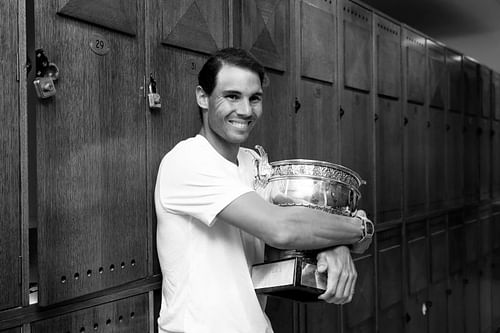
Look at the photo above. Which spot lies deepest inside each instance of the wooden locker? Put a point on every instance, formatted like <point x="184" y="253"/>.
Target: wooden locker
<point x="388" y="129"/>
<point x="415" y="60"/>
<point x="485" y="141"/>
<point x="485" y="294"/>
<point x="471" y="298"/>
<point x="456" y="240"/>
<point x="10" y="195"/>
<point x="437" y="75"/>
<point x="436" y="156"/>
<point x="485" y="91"/>
<point x="390" y="278"/>
<point x="438" y="246"/>
<point x="415" y="133"/>
<point x="495" y="159"/>
<point x="495" y="95"/>
<point x="124" y="315"/>
<point x="359" y="315"/>
<point x="316" y="117"/>
<point x="264" y="31"/>
<point x="471" y="159"/>
<point x="356" y="114"/>
<point x="471" y="87"/>
<point x="495" y="287"/>
<point x="455" y="80"/>
<point x="456" y="311"/>
<point x="90" y="148"/>
<point x="454" y="159"/>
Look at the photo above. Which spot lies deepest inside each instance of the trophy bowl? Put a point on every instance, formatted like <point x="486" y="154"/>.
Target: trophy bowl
<point x="314" y="184"/>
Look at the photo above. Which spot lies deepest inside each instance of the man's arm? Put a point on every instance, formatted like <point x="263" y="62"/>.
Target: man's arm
<point x="297" y="228"/>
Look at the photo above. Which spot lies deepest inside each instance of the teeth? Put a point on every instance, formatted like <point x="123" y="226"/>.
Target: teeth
<point x="239" y="124"/>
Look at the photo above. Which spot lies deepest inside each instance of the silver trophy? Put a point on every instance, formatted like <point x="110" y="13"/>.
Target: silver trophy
<point x="314" y="184"/>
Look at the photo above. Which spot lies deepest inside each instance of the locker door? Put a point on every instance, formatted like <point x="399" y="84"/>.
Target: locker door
<point x="389" y="286"/>
<point x="356" y="115"/>
<point x="495" y="158"/>
<point x="125" y="315"/>
<point x="485" y="140"/>
<point x="495" y="96"/>
<point x="262" y="27"/>
<point x="388" y="129"/>
<point x="90" y="150"/>
<point x="415" y="123"/>
<point x="471" y="276"/>
<point x="485" y="91"/>
<point x="471" y="160"/>
<point x="437" y="75"/>
<point x="455" y="80"/>
<point x="436" y="125"/>
<point x="438" y="276"/>
<point x="358" y="316"/>
<point x="10" y="215"/>
<point x="316" y="120"/>
<point x="418" y="259"/>
<point x="414" y="167"/>
<point x="471" y="87"/>
<point x="485" y="278"/>
<point x="454" y="158"/>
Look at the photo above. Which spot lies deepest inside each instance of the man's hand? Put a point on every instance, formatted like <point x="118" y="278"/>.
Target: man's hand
<point x="341" y="274"/>
<point x="361" y="247"/>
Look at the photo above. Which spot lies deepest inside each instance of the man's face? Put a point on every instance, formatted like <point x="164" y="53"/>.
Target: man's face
<point x="234" y="106"/>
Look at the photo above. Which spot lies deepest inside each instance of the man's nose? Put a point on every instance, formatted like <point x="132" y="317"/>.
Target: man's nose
<point x="245" y="108"/>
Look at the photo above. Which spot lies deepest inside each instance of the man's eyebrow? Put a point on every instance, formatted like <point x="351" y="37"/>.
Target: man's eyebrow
<point x="232" y="92"/>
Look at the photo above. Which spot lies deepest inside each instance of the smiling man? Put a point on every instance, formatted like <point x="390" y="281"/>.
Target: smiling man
<point x="212" y="225"/>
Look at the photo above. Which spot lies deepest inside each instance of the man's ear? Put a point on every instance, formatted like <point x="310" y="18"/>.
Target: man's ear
<point x="201" y="97"/>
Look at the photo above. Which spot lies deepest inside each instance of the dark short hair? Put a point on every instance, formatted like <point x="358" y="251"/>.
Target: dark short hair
<point x="207" y="77"/>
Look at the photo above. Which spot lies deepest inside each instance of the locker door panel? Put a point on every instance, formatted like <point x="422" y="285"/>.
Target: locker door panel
<point x="359" y="314"/>
<point x="321" y="317"/>
<point x="495" y="158"/>
<point x="356" y="131"/>
<point x="436" y="157"/>
<point x="89" y="140"/>
<point x="495" y="98"/>
<point x="389" y="268"/>
<point x="195" y="25"/>
<point x="471" y="245"/>
<point x="485" y="294"/>
<point x="495" y="287"/>
<point x="275" y="128"/>
<point x="417" y="258"/>
<point x="438" y="248"/>
<point x="10" y="215"/>
<point x="437" y="75"/>
<point x="388" y="52"/>
<point x="454" y="159"/>
<point x="438" y="311"/>
<point x="125" y="315"/>
<point x="455" y="80"/>
<point x="416" y="320"/>
<point x="414" y="169"/>
<point x="391" y="319"/>
<point x="456" y="246"/>
<point x="456" y="322"/>
<point x="471" y="87"/>
<point x="471" y="299"/>
<point x="389" y="159"/>
<point x="415" y="67"/>
<point x="318" y="40"/>
<point x="485" y="140"/>
<point x="264" y="31"/>
<point x="485" y="86"/>
<point x="357" y="46"/>
<point x="316" y="122"/>
<point x="471" y="165"/>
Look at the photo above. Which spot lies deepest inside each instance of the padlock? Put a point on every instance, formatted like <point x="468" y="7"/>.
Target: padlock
<point x="44" y="87"/>
<point x="153" y="96"/>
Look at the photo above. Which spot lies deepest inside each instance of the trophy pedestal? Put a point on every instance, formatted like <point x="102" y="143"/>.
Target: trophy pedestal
<point x="291" y="278"/>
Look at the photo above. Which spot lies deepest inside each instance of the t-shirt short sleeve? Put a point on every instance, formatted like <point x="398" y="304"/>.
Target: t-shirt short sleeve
<point x="199" y="182"/>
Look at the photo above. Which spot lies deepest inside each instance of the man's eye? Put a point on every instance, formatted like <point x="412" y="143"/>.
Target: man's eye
<point x="256" y="99"/>
<point x="232" y="97"/>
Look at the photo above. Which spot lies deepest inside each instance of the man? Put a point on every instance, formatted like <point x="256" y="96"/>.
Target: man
<point x="212" y="225"/>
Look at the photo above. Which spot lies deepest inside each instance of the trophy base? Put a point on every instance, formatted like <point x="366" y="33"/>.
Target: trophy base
<point x="292" y="278"/>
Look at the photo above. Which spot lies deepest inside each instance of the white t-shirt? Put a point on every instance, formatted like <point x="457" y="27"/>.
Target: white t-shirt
<point x="205" y="264"/>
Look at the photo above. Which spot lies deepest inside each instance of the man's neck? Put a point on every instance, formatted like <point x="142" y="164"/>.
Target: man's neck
<point x="226" y="150"/>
